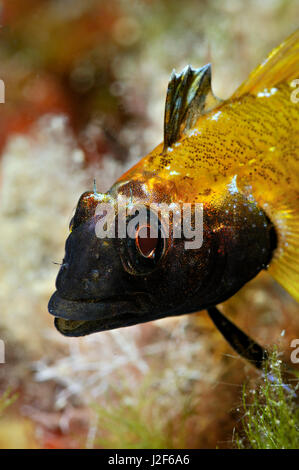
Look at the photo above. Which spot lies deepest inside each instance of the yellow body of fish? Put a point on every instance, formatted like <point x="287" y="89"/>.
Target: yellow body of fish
<point x="250" y="144"/>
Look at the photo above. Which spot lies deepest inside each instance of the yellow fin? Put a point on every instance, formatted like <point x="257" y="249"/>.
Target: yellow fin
<point x="284" y="266"/>
<point x="282" y="65"/>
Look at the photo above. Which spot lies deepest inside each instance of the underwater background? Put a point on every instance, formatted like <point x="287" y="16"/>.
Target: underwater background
<point x="85" y="86"/>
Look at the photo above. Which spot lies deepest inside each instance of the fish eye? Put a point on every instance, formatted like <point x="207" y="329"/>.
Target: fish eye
<point x="145" y="242"/>
<point x="142" y="252"/>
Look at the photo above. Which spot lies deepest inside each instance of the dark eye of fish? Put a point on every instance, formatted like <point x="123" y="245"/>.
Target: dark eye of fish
<point x="142" y="253"/>
<point x="146" y="244"/>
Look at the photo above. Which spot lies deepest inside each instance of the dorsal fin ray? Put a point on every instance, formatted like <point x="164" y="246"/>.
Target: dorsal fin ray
<point x="189" y="95"/>
<point x="281" y="65"/>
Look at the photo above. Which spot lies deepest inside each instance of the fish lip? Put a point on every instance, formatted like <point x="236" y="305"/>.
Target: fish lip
<point x="105" y="324"/>
<point x="91" y="310"/>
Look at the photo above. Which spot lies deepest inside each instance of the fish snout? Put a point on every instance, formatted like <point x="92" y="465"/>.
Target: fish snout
<point x="91" y="267"/>
<point x="75" y="283"/>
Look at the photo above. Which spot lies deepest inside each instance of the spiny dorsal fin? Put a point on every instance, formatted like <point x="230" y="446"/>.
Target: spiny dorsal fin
<point x="189" y="95"/>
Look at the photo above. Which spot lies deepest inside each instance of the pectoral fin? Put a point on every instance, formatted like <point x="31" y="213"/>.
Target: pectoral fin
<point x="239" y="341"/>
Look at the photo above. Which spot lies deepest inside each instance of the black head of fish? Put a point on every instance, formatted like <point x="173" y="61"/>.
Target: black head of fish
<point x="112" y="282"/>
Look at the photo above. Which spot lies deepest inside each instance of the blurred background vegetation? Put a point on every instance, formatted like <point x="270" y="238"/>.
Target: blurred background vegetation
<point x="85" y="89"/>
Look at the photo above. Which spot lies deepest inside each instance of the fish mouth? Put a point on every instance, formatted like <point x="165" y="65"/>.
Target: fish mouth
<point x="82" y="317"/>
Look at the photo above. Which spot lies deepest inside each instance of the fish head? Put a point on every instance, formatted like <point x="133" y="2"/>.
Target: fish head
<point x="139" y="271"/>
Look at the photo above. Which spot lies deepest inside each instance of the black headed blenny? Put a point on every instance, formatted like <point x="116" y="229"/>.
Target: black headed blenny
<point x="237" y="159"/>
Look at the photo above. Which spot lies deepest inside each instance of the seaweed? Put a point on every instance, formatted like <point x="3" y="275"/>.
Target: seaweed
<point x="271" y="411"/>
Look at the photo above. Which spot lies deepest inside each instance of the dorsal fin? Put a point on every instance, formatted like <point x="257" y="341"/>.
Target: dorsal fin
<point x="281" y="65"/>
<point x="189" y="95"/>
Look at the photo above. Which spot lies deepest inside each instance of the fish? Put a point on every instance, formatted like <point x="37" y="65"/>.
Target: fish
<point x="237" y="161"/>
